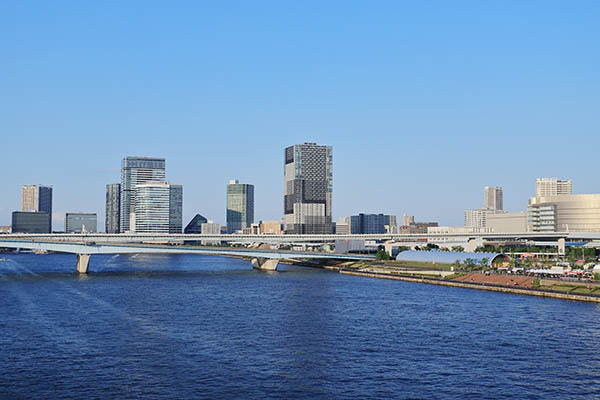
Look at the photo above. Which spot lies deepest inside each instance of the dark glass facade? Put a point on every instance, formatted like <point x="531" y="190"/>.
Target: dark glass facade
<point x="30" y="222"/>
<point x="370" y="223"/>
<point x="195" y="225"/>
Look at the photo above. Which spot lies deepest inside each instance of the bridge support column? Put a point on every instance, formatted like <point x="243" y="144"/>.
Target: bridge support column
<point x="83" y="260"/>
<point x="561" y="246"/>
<point x="389" y="247"/>
<point x="266" y="264"/>
<point x="473" y="244"/>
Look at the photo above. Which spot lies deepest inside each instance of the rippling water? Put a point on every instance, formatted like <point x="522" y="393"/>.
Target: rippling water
<point x="152" y="326"/>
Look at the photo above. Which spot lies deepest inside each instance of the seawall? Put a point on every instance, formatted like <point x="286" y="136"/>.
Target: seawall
<point x="493" y="288"/>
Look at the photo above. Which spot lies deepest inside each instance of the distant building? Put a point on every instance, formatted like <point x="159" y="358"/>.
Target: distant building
<point x="478" y="218"/>
<point x="308" y="189"/>
<point x="30" y="222"/>
<point x="417" y="227"/>
<point x="240" y="206"/>
<point x="158" y="208"/>
<point x="254" y="229"/>
<point x="493" y="198"/>
<point x="371" y="223"/>
<point x="210" y="228"/>
<point x="507" y="222"/>
<point x="81" y="222"/>
<point x="342" y="226"/>
<point x="545" y="187"/>
<point x="271" y="227"/>
<point x="564" y="213"/>
<point x="195" y="225"/>
<point x="112" y="223"/>
<point x="38" y="198"/>
<point x="5" y="229"/>
<point x="135" y="171"/>
<point x="407" y="220"/>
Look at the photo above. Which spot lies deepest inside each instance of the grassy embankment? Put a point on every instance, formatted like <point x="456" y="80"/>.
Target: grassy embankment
<point x="568" y="287"/>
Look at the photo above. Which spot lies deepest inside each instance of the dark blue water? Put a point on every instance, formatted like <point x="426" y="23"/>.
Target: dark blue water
<point x="210" y="327"/>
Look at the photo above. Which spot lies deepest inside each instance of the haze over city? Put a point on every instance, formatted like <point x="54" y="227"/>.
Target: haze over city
<point x="424" y="105"/>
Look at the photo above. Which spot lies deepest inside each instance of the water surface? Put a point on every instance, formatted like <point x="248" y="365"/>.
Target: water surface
<point x="190" y="326"/>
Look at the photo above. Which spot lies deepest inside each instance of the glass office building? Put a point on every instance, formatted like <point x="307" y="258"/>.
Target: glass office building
<point x="195" y="225"/>
<point x="371" y="223"/>
<point x="158" y="208"/>
<point x="112" y="220"/>
<point x="30" y="222"/>
<point x="308" y="189"/>
<point x="81" y="222"/>
<point x="38" y="198"/>
<point x="135" y="171"/>
<point x="240" y="206"/>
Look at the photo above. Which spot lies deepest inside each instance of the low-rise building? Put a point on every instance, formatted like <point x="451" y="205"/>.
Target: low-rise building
<point x="564" y="213"/>
<point x="81" y="222"/>
<point x="342" y="227"/>
<point x="507" y="222"/>
<point x="5" y="229"/>
<point x="271" y="227"/>
<point x="30" y="222"/>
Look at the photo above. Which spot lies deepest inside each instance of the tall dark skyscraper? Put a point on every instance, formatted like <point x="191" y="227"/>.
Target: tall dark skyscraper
<point x="113" y="208"/>
<point x="135" y="171"/>
<point x="38" y="198"/>
<point x="308" y="190"/>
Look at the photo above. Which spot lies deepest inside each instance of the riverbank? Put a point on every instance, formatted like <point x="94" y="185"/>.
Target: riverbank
<point x="473" y="285"/>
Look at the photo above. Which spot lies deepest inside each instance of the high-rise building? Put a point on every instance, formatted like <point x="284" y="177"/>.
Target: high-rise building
<point x="81" y="222"/>
<point x="545" y="187"/>
<point x="158" y="208"/>
<point x="113" y="208"/>
<point x="30" y="222"/>
<point x="135" y="171"/>
<point x="493" y="198"/>
<point x="38" y="198"/>
<point x="308" y="189"/>
<point x="240" y="206"/>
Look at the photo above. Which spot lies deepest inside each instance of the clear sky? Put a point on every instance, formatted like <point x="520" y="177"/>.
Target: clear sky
<point x="424" y="102"/>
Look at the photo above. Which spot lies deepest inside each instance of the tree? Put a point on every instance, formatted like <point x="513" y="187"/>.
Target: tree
<point x="458" y="249"/>
<point x="483" y="263"/>
<point x="382" y="255"/>
<point x="469" y="263"/>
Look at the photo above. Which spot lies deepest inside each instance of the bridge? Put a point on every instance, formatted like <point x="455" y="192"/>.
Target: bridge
<point x="292" y="238"/>
<point x="84" y="245"/>
<point x="260" y="258"/>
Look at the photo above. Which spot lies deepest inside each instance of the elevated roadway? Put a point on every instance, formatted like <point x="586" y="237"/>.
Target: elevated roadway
<point x="261" y="259"/>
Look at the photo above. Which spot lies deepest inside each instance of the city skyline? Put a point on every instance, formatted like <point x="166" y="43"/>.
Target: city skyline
<point x="417" y="101"/>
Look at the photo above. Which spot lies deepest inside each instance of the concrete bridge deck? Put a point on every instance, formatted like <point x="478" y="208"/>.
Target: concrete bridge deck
<point x="261" y="259"/>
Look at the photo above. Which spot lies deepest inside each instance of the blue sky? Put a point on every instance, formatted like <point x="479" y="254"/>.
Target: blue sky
<point x="424" y="103"/>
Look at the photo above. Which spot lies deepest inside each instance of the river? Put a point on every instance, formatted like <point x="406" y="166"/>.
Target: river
<point x="190" y="326"/>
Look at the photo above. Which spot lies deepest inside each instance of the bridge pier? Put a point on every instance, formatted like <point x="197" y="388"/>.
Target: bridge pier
<point x="83" y="260"/>
<point x="265" y="264"/>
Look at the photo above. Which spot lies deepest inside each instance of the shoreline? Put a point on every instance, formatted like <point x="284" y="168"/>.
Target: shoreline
<point x="479" y="286"/>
